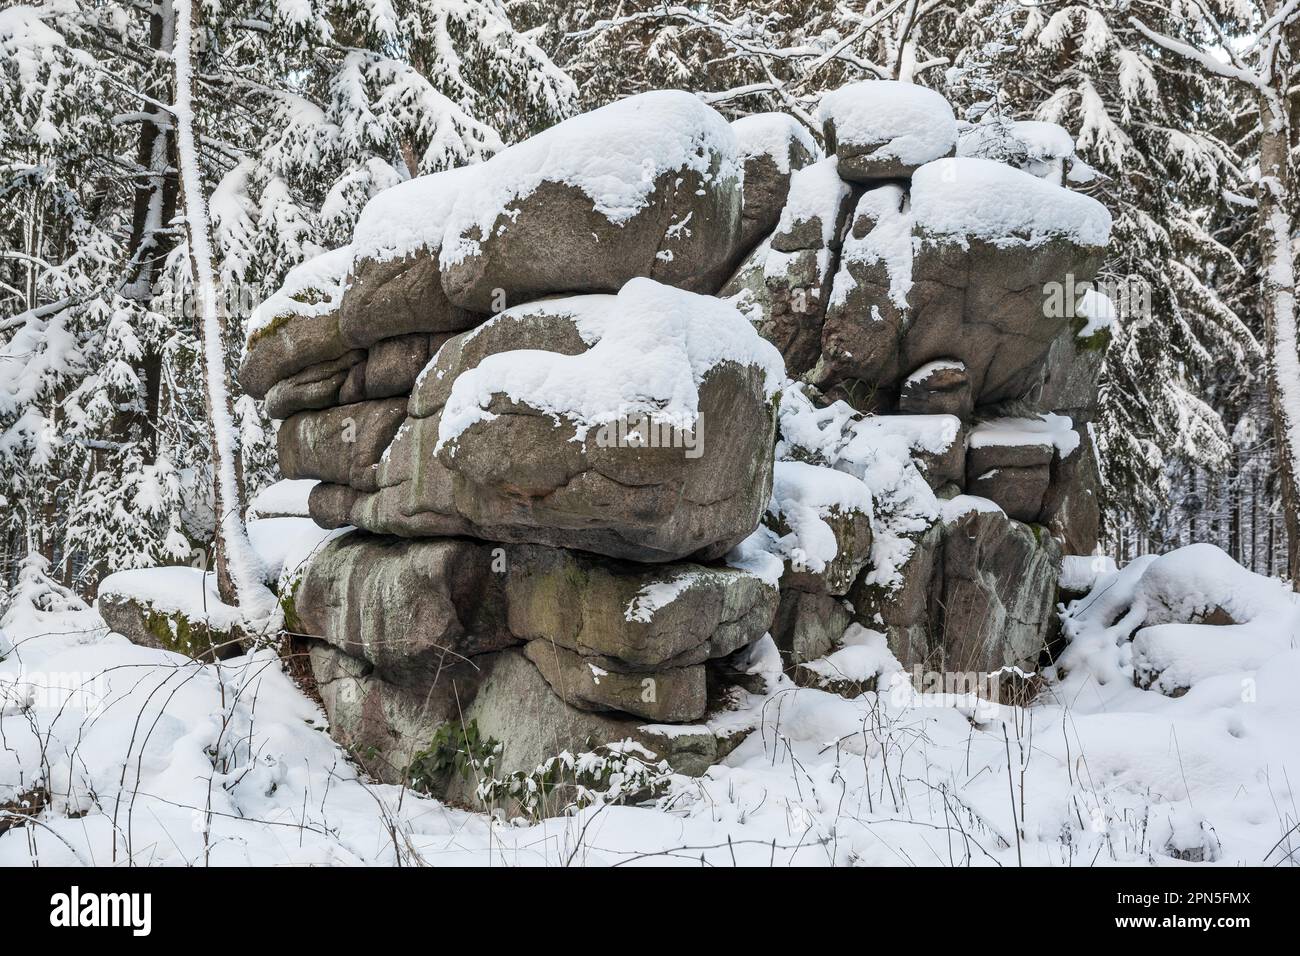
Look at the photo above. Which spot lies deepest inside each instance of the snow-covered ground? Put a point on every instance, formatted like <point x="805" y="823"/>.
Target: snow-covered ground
<point x="153" y="759"/>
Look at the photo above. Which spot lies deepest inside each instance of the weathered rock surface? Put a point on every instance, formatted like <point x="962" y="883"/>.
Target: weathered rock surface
<point x="977" y="595"/>
<point x="797" y="265"/>
<point x="772" y="146"/>
<point x="976" y="297"/>
<point x="342" y="445"/>
<point x="298" y="326"/>
<point x="664" y="203"/>
<point x="627" y="487"/>
<point x="395" y="284"/>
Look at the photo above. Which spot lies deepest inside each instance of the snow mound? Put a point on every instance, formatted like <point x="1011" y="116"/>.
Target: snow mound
<point x="650" y="361"/>
<point x="614" y="154"/>
<point x="911" y="124"/>
<point x="1080" y="572"/>
<point x="410" y="216"/>
<point x="1097" y="308"/>
<point x="966" y="198"/>
<point x="1048" y="429"/>
<point x="803" y="496"/>
<point x="863" y="655"/>
<point x="286" y="498"/>
<point x="189" y="591"/>
<point x="1190" y="584"/>
<point x="772" y="134"/>
<point x="314" y="287"/>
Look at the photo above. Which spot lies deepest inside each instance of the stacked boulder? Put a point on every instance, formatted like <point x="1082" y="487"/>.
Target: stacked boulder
<point x="610" y="408"/>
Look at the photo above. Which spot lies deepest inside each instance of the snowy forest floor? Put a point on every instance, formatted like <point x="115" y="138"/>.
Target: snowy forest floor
<point x="142" y="757"/>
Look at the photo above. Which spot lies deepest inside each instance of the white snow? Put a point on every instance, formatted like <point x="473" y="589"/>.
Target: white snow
<point x="614" y="154"/>
<point x="960" y="505"/>
<point x="910" y="123"/>
<point x="656" y="350"/>
<point x="410" y="216"/>
<point x="888" y="242"/>
<point x="286" y="498"/>
<point x="966" y="198"/>
<point x="229" y="763"/>
<point x="803" y="496"/>
<point x="314" y="287"/>
<point x="816" y="192"/>
<point x="772" y="134"/>
<point x="862" y="655"/>
<point x="929" y="368"/>
<point x="285" y="544"/>
<point x="659" y="594"/>
<point x="1047" y="429"/>
<point x="191" y="591"/>
<point x="1079" y="572"/>
<point x="1097" y="307"/>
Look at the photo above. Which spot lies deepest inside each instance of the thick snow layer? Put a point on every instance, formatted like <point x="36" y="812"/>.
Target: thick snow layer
<point x="961" y="505"/>
<point x="229" y="764"/>
<point x="862" y="655"/>
<point x="1048" y="429"/>
<point x="614" y="154"/>
<point x="286" y="544"/>
<point x="654" y="354"/>
<point x="910" y="123"/>
<point x="314" y="287"/>
<point x="286" y="498"/>
<point x="772" y="134"/>
<point x="1079" y="572"/>
<point x="1097" y="307"/>
<point x="410" y="216"/>
<point x="191" y="591"/>
<point x="888" y="243"/>
<point x="816" y="192"/>
<point x="878" y="450"/>
<point x="967" y="198"/>
<point x="1043" y="141"/>
<point x="933" y="434"/>
<point x="803" y="496"/>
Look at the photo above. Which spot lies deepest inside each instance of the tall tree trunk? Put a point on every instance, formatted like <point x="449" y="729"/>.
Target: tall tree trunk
<point x="240" y="576"/>
<point x="1273" y="196"/>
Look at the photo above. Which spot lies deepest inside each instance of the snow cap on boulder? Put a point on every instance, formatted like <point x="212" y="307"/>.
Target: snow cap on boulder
<point x="884" y="129"/>
<point x="966" y="198"/>
<point x="646" y="186"/>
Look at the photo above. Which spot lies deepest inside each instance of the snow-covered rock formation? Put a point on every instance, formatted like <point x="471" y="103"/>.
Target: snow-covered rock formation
<point x="610" y="408"/>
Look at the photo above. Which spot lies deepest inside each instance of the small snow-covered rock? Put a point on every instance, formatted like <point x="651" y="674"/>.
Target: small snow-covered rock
<point x="884" y="129"/>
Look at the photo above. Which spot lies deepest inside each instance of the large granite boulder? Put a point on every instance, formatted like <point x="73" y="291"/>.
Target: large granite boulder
<point x="652" y="443"/>
<point x="648" y="186"/>
<point x="772" y="147"/>
<point x="1024" y="465"/>
<point x="977" y="593"/>
<point x="406" y="634"/>
<point x="961" y="269"/>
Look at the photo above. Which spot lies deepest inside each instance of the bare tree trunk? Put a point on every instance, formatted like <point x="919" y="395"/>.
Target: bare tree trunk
<point x="1274" y="235"/>
<point x="240" y="576"/>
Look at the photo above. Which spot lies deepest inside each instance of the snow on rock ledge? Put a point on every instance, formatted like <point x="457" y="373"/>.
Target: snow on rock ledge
<point x="964" y="198"/>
